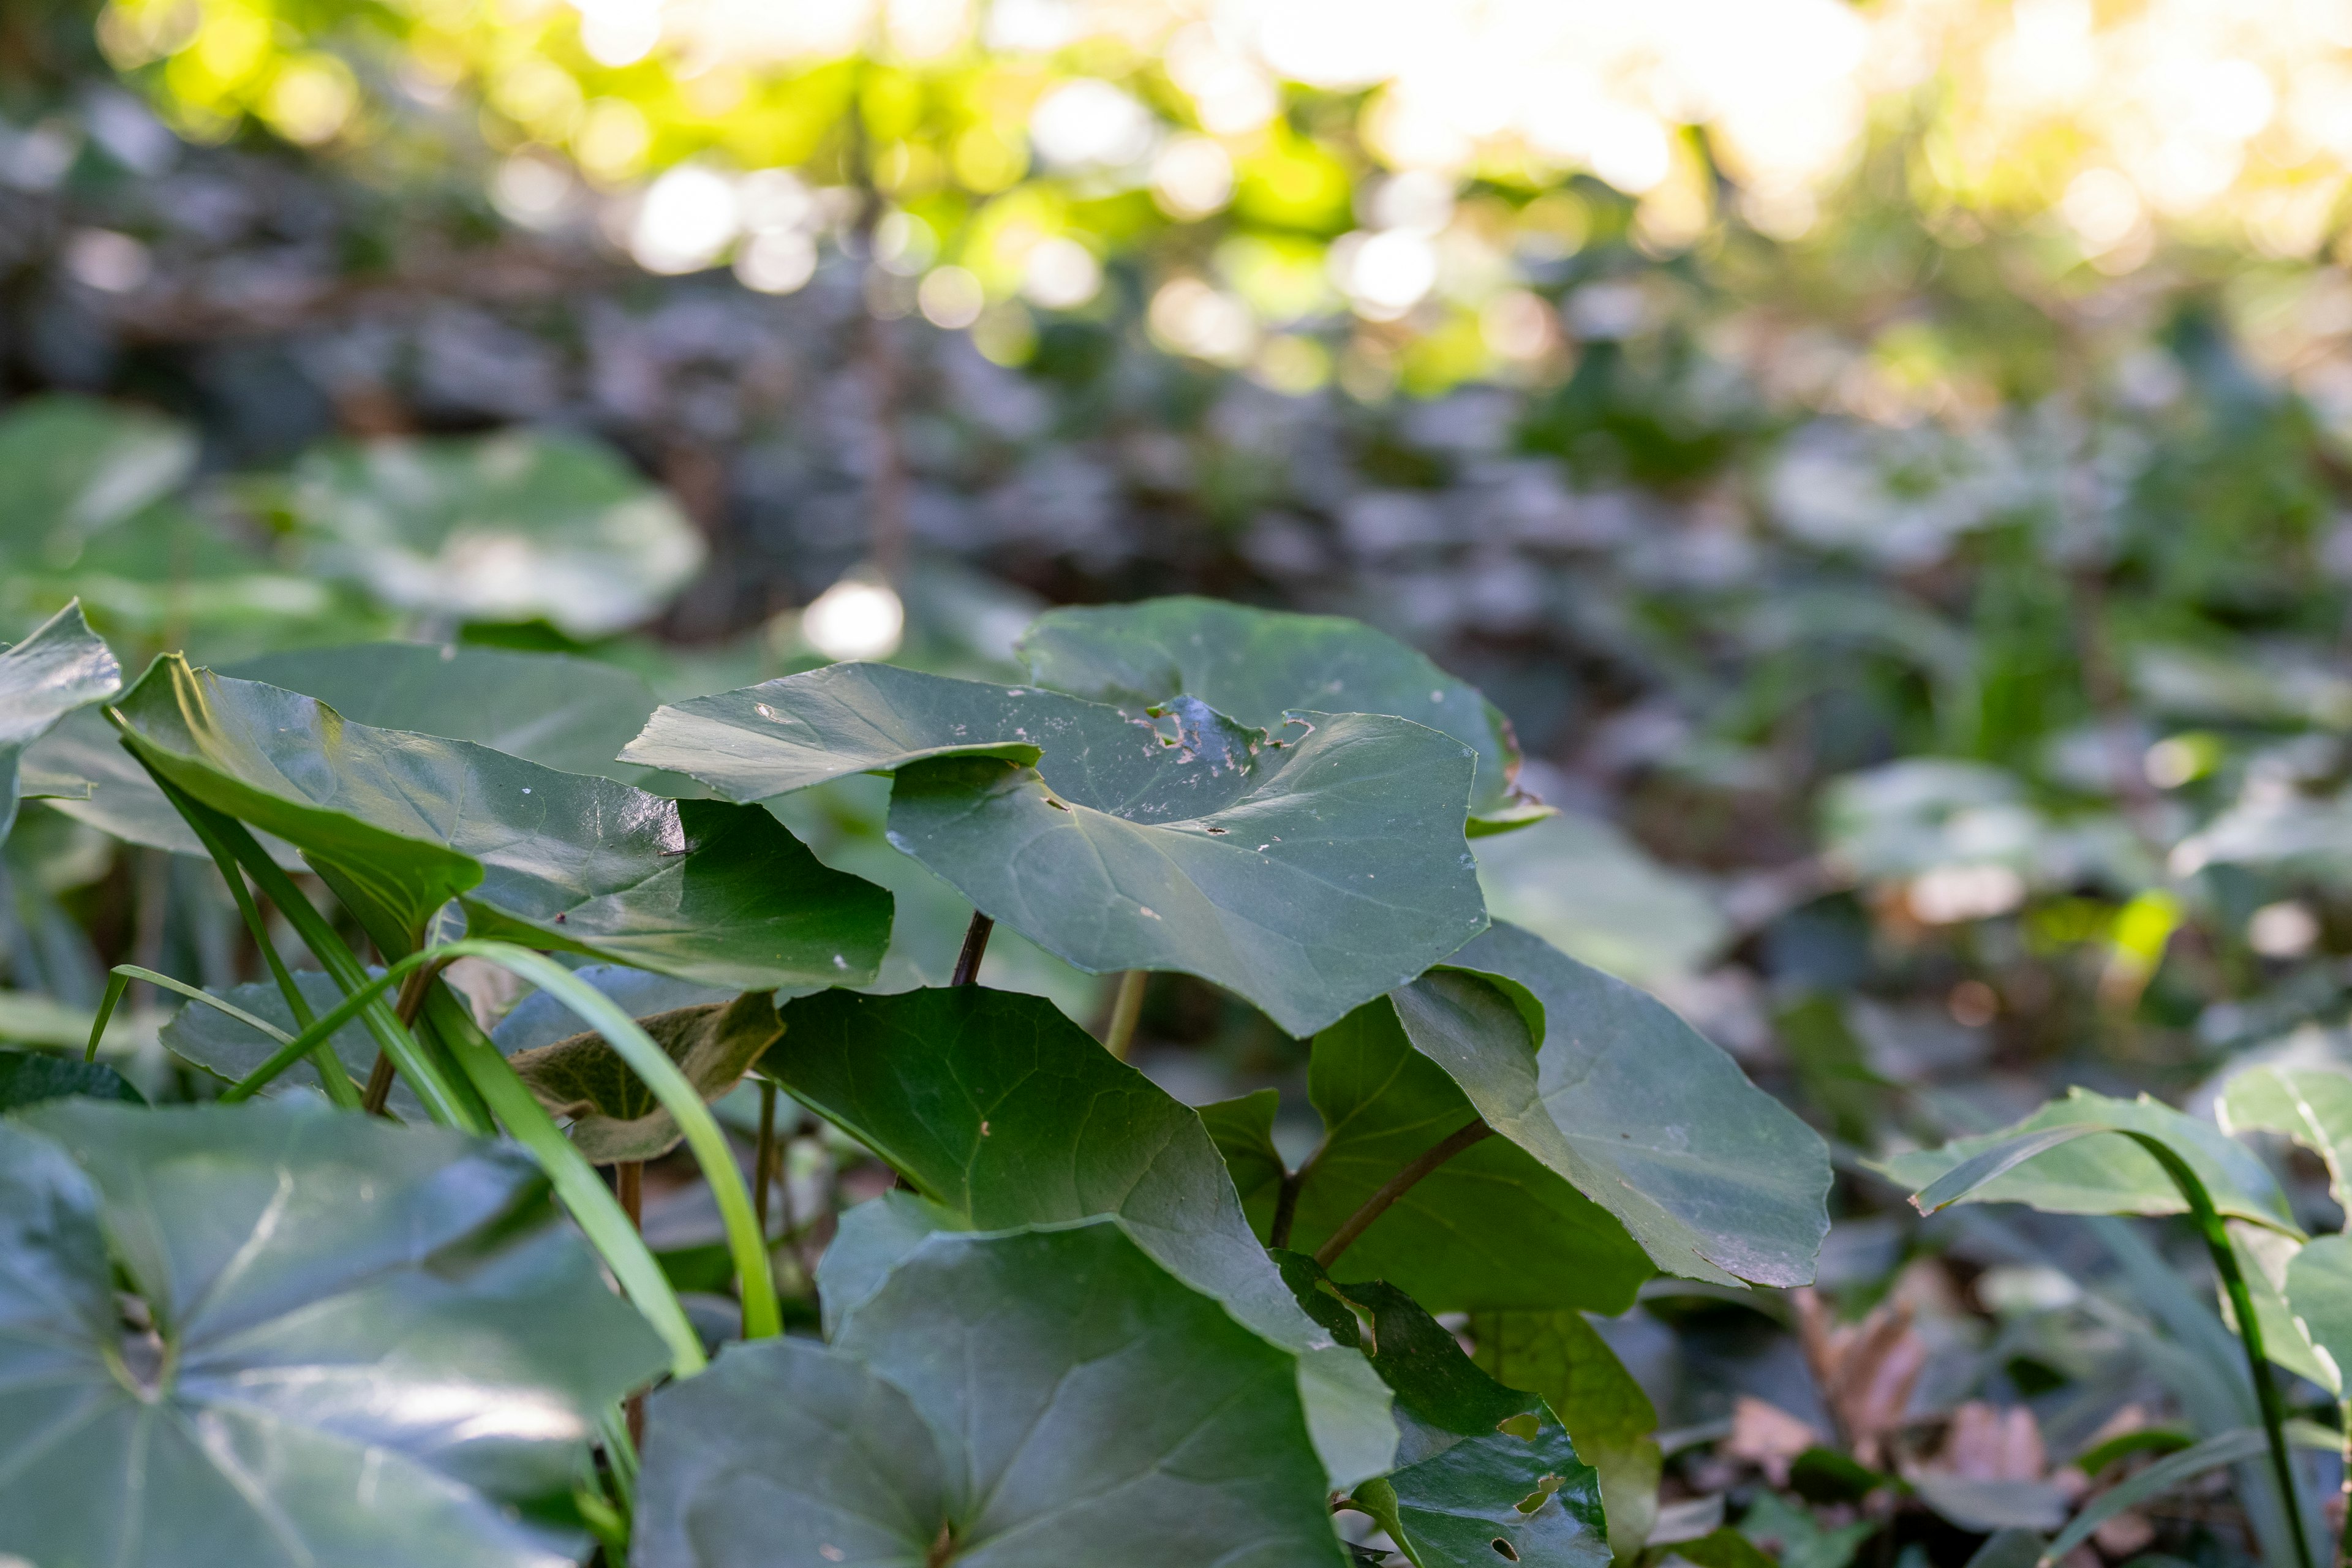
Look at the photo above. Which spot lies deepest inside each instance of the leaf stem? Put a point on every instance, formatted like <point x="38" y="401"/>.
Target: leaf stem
<point x="763" y="1158"/>
<point x="629" y="1186"/>
<point x="975" y="943"/>
<point x="1125" y="1008"/>
<point x="1396" y="1186"/>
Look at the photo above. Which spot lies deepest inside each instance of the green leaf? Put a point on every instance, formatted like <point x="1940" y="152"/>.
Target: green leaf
<point x="1715" y="1178"/>
<point x="1260" y="664"/>
<point x="62" y="666"/>
<point x="2311" y="1105"/>
<point x="210" y="1039"/>
<point x="1042" y="1399"/>
<point x="1484" y="1472"/>
<point x="399" y="824"/>
<point x="2319" y="1291"/>
<point x="1792" y="1536"/>
<point x="2225" y="1448"/>
<point x="521" y="526"/>
<point x="1243" y="1131"/>
<point x="2264" y="1258"/>
<point x="1308" y="871"/>
<point x="1490" y="1228"/>
<point x="614" y="1115"/>
<point x="1562" y="1357"/>
<point x="1722" y="1547"/>
<point x="29" y="1078"/>
<point x="1584" y="886"/>
<point x="2050" y="1161"/>
<point x="1002" y="1112"/>
<point x="371" y="1343"/>
<point x="73" y="466"/>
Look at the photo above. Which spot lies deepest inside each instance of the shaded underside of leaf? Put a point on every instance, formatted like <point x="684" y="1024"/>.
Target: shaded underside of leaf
<point x="29" y="1078"/>
<point x="2313" y="1106"/>
<point x="60" y="667"/>
<point x="614" y="1115"/>
<point x="1490" y="1228"/>
<point x="1563" y="1358"/>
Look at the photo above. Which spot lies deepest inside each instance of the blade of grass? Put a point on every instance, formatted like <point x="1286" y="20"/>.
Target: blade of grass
<point x="1966" y="1177"/>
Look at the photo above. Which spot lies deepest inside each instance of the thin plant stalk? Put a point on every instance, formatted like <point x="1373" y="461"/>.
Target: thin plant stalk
<point x="1975" y="1171"/>
<point x="629" y="1186"/>
<point x="1396" y="1186"/>
<point x="207" y="824"/>
<point x="975" y="948"/>
<point x="1126" y="1009"/>
<point x="763" y="1157"/>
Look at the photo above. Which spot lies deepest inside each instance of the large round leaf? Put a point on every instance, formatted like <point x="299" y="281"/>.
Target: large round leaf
<point x="62" y="666"/>
<point x="1491" y="1228"/>
<point x="369" y="1344"/>
<point x="1042" y="1399"/>
<point x="1002" y="1112"/>
<point x="399" y="824"/>
<point x="516" y="527"/>
<point x="1309" y="871"/>
<point x="1609" y="1089"/>
<point x="1258" y="665"/>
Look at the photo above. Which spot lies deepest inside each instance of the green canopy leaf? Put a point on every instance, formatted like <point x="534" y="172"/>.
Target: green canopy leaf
<point x="2319" y="1291"/>
<point x="62" y="666"/>
<point x="1259" y="665"/>
<point x="1002" y="1112"/>
<point x="399" y="824"/>
<point x="29" y="1078"/>
<point x="1484" y="1472"/>
<point x="2311" y="1105"/>
<point x="1715" y="1178"/>
<point x="572" y="714"/>
<point x="1610" y="1420"/>
<point x="368" y="1343"/>
<point x="227" y="1048"/>
<point x="614" y="1115"/>
<point x="1042" y="1399"/>
<point x="1308" y="871"/>
<point x="2036" y="1163"/>
<point x="1490" y="1228"/>
<point x="520" y="526"/>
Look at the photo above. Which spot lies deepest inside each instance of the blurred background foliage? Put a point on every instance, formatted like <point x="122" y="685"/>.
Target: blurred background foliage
<point x="1889" y="460"/>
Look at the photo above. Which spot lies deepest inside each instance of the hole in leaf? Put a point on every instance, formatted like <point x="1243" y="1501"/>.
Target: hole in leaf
<point x="1504" y="1550"/>
<point x="1524" y="1426"/>
<point x="1545" y="1487"/>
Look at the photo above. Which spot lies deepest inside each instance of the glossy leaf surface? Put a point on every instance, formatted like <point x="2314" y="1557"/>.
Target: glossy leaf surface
<point x="372" y="1344"/>
<point x="1308" y="871"/>
<point x="1258" y="665"/>
<point x="1715" y="1178"/>
<point x="1002" y="1112"/>
<point x="1490" y="1228"/>
<point x="614" y="1115"/>
<point x="2101" y="1173"/>
<point x="1483" y="1472"/>
<point x="1041" y="1399"/>
<point x="400" y="823"/>
<point x="60" y="666"/>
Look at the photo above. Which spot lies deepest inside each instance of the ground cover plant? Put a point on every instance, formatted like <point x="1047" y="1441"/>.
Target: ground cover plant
<point x="330" y="1313"/>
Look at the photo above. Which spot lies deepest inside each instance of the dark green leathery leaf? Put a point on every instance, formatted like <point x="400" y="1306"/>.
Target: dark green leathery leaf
<point x="1308" y="871"/>
<point x="60" y="666"/>
<point x="1490" y="1228"/>
<point x="614" y="1115"/>
<point x="228" y="1049"/>
<point x="1002" y="1112"/>
<point x="1716" y="1179"/>
<point x="29" y="1078"/>
<point x="1038" y="1399"/>
<point x="399" y="824"/>
<point x="1259" y="665"/>
<point x="370" y="1343"/>
<point x="1483" y="1472"/>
